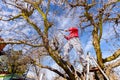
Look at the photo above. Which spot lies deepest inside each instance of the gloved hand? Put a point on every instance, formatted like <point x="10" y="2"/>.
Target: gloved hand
<point x="64" y="36"/>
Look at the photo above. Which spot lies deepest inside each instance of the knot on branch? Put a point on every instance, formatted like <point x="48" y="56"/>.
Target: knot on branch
<point x="116" y="21"/>
<point x="50" y="24"/>
<point x="101" y="11"/>
<point x="32" y="61"/>
<point x="107" y="14"/>
<point x="73" y="5"/>
<point x="118" y="15"/>
<point x="27" y="12"/>
<point x="88" y="15"/>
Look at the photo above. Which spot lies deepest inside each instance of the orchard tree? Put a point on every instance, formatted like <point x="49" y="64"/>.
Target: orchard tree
<point x="38" y="16"/>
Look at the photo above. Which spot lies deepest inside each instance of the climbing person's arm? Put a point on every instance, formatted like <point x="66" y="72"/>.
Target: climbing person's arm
<point x="66" y="37"/>
<point x="73" y="29"/>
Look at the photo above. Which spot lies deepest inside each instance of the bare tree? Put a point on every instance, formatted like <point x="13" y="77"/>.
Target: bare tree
<point x="97" y="19"/>
<point x="94" y="13"/>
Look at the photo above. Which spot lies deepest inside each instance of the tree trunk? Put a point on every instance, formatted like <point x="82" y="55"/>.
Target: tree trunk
<point x="96" y="44"/>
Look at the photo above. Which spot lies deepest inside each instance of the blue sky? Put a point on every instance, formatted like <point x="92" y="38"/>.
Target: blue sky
<point x="61" y="21"/>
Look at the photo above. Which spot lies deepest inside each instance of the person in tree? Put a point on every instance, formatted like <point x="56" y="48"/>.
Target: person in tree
<point x="2" y="46"/>
<point x="73" y="42"/>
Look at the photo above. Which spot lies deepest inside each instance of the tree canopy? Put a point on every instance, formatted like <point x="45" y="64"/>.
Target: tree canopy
<point x="34" y="25"/>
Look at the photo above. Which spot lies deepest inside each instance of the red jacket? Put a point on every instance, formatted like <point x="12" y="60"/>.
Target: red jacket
<point x="73" y="33"/>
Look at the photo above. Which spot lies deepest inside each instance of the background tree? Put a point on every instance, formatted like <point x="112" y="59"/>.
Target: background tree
<point x="104" y="14"/>
<point x="93" y="16"/>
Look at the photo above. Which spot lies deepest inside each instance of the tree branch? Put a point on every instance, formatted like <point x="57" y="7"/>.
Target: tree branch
<point x="112" y="19"/>
<point x="52" y="69"/>
<point x="115" y="64"/>
<point x="112" y="65"/>
<point x="14" y="17"/>
<point x="19" y="7"/>
<point x="113" y="57"/>
<point x="55" y="70"/>
<point x="21" y="42"/>
<point x="33" y="24"/>
<point x="100" y="25"/>
<point x="48" y="7"/>
<point x="110" y="2"/>
<point x="37" y="7"/>
<point x="47" y="24"/>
